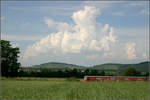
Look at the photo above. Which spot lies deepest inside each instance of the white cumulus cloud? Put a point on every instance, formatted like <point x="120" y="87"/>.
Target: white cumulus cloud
<point x="144" y="55"/>
<point x="60" y="26"/>
<point x="130" y="50"/>
<point x="86" y="35"/>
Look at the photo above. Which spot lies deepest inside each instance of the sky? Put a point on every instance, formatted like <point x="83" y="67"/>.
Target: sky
<point x="77" y="32"/>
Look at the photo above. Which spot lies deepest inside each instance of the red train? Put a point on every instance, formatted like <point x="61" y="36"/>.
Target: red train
<point x="115" y="78"/>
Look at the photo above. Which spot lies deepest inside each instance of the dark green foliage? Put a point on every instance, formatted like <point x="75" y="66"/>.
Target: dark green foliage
<point x="131" y="71"/>
<point x="86" y="72"/>
<point x="76" y="73"/>
<point x="94" y="72"/>
<point x="102" y="73"/>
<point x="146" y="74"/>
<point x="9" y="59"/>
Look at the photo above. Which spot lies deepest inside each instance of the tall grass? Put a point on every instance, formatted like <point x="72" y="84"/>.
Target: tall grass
<point x="70" y="90"/>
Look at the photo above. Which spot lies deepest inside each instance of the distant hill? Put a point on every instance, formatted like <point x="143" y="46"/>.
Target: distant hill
<point x="57" y="65"/>
<point x="143" y="66"/>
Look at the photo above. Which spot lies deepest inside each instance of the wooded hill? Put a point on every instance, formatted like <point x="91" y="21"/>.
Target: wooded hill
<point x="143" y="66"/>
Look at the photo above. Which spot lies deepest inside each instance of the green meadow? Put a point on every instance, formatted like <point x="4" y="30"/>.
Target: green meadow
<point x="66" y="89"/>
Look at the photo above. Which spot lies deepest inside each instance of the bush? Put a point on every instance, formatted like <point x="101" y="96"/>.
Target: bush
<point x="131" y="71"/>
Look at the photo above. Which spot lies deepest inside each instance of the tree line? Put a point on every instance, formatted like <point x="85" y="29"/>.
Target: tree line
<point x="62" y="74"/>
<point x="10" y="67"/>
<point x="130" y="71"/>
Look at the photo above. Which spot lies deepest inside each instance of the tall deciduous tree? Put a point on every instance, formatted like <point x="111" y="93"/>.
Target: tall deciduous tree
<point x="131" y="71"/>
<point x="9" y="59"/>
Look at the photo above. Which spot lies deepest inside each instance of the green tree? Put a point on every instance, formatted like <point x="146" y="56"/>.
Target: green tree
<point x="147" y="74"/>
<point x="131" y="71"/>
<point x="74" y="72"/>
<point x="86" y="72"/>
<point x="102" y="73"/>
<point x="94" y="72"/>
<point x="9" y="59"/>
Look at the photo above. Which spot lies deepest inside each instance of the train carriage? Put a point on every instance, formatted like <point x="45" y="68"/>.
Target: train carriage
<point x="115" y="78"/>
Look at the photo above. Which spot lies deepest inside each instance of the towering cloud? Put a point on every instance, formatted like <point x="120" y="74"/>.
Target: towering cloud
<point x="130" y="50"/>
<point x="86" y="35"/>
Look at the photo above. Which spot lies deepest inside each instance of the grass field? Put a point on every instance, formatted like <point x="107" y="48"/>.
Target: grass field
<point x="38" y="88"/>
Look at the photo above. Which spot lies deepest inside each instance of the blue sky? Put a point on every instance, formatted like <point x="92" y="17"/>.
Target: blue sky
<point x="48" y="31"/>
